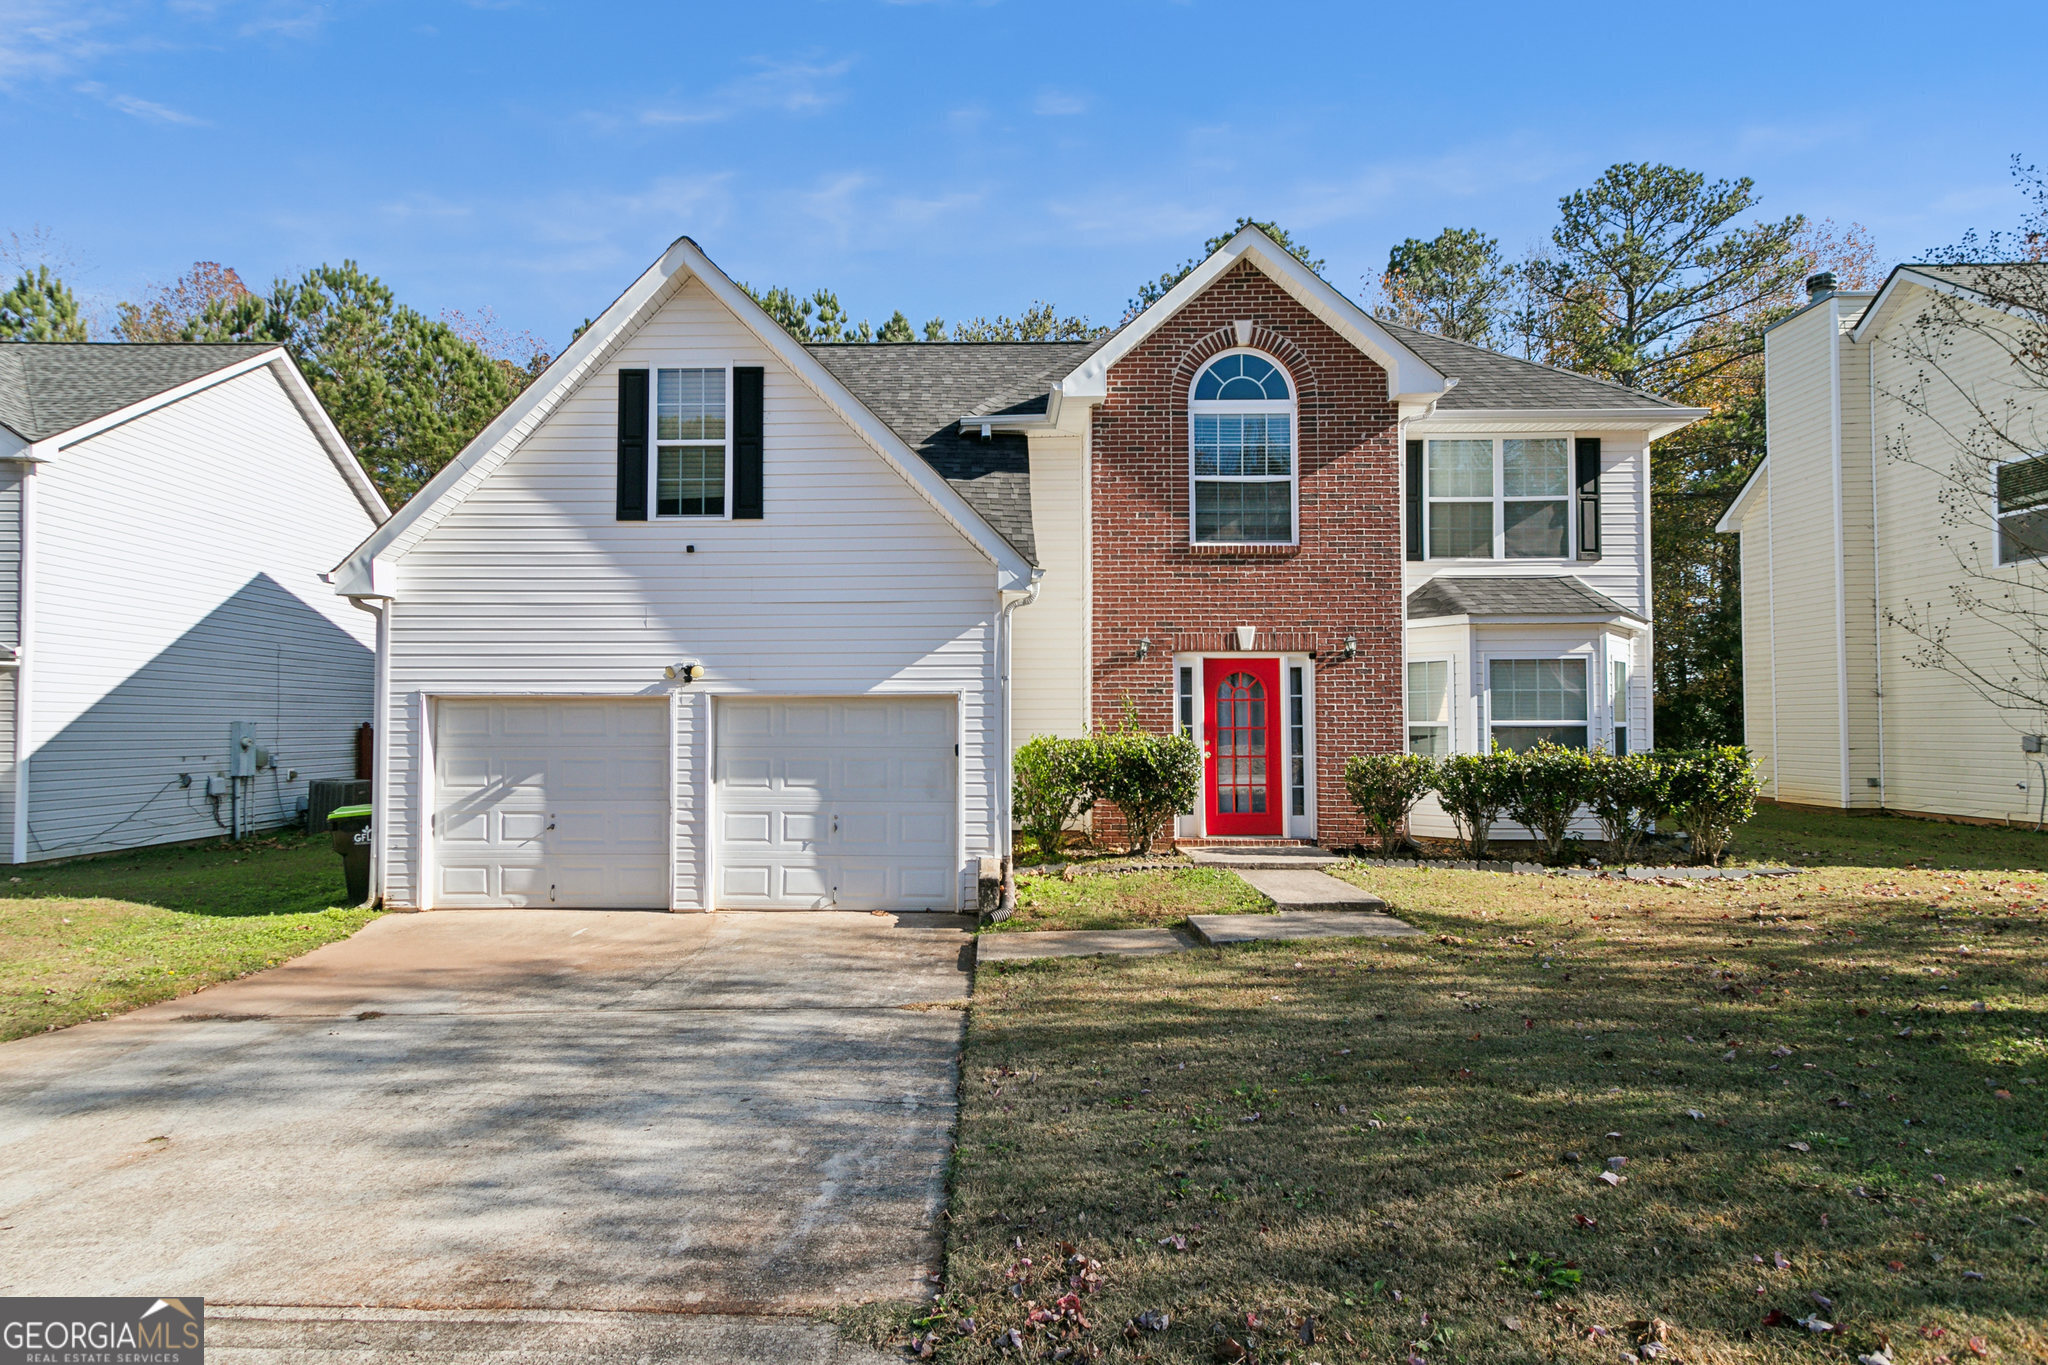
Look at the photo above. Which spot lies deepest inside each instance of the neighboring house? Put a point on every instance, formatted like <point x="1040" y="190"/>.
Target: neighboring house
<point x="1854" y="520"/>
<point x="710" y="617"/>
<point x="166" y="512"/>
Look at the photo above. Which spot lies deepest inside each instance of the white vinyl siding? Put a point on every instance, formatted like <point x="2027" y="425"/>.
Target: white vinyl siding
<point x="1049" y="672"/>
<point x="852" y="583"/>
<point x="178" y="562"/>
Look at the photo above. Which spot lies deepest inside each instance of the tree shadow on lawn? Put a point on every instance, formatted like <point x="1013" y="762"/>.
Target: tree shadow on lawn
<point x="1325" y="1124"/>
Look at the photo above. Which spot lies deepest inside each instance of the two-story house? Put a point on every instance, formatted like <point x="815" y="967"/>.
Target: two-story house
<point x="1900" y="504"/>
<point x="712" y="618"/>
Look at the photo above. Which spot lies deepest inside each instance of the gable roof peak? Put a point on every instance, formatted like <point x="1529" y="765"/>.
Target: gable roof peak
<point x="1410" y="378"/>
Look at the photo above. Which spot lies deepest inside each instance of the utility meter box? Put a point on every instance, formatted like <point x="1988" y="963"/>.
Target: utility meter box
<point x="241" y="748"/>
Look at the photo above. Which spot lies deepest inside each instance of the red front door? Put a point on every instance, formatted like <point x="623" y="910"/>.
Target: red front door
<point x="1244" y="742"/>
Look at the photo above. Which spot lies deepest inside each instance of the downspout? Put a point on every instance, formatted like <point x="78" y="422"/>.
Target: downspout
<point x="1005" y="651"/>
<point x="380" y="740"/>
<point x="24" y="654"/>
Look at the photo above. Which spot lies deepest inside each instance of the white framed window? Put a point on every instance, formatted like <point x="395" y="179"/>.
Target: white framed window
<point x="2021" y="490"/>
<point x="1498" y="497"/>
<point x="1531" y="700"/>
<point x="1429" y="707"/>
<point x="1617" y="701"/>
<point x="1241" y="465"/>
<point x="1297" y="739"/>
<point x="692" y="464"/>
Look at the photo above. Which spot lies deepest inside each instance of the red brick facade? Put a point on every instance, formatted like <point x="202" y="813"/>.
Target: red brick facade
<point x="1342" y="579"/>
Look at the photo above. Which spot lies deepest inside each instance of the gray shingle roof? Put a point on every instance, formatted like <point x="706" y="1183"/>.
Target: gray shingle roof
<point x="1489" y="380"/>
<point x="47" y="387"/>
<point x="1547" y="596"/>
<point x="923" y="389"/>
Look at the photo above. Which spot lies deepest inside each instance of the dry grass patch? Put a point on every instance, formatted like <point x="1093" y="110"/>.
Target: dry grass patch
<point x="1395" y="1146"/>
<point x="1130" y="900"/>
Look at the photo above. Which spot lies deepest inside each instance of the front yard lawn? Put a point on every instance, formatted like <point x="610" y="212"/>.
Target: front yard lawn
<point x="95" y="937"/>
<point x="1822" y="1101"/>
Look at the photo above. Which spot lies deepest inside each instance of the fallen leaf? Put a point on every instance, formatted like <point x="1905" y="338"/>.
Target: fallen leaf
<point x="1511" y="1324"/>
<point x="1155" y="1320"/>
<point x="1778" y="1260"/>
<point x="1798" y="1146"/>
<point x="1978" y="1348"/>
<point x="1583" y="1221"/>
<point x="1306" y="1334"/>
<point x="1895" y="1265"/>
<point x="1514" y="1175"/>
<point x="1228" y="1348"/>
<point x="1610" y="1178"/>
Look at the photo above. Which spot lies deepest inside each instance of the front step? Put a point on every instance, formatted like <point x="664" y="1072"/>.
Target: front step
<point x="1301" y="888"/>
<point x="1240" y="857"/>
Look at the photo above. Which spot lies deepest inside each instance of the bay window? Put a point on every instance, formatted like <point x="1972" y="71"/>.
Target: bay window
<point x="1429" y="707"/>
<point x="1532" y="700"/>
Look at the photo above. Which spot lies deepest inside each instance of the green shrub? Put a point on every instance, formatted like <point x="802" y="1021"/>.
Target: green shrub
<point x="1550" y="783"/>
<point x="1149" y="778"/>
<point x="1053" y="785"/>
<point x="1474" y="789"/>
<point x="1385" y="787"/>
<point x="1713" y="793"/>
<point x="1630" y="795"/>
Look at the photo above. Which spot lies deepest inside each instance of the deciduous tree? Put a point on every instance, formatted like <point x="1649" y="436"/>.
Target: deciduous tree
<point x="165" y="311"/>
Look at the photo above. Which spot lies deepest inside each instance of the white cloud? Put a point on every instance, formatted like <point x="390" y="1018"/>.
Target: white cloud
<point x="1059" y="103"/>
<point x="789" y="87"/>
<point x="149" y="111"/>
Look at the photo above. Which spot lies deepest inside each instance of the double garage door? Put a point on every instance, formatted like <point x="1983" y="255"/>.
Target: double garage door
<point x="828" y="804"/>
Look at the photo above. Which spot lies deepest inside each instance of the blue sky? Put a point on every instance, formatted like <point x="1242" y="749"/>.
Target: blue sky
<point x="952" y="158"/>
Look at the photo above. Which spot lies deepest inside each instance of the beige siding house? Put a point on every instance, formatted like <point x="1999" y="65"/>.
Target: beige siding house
<point x="1862" y="518"/>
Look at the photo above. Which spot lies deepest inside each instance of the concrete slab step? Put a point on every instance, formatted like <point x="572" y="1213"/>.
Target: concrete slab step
<point x="1254" y="856"/>
<point x="1219" y="930"/>
<point x="1026" y="946"/>
<point x="1299" y="888"/>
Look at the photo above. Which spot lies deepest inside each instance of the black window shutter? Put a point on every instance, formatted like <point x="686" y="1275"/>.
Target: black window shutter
<point x="1415" y="499"/>
<point x="1589" y="496"/>
<point x="747" y="383"/>
<point x="632" y="445"/>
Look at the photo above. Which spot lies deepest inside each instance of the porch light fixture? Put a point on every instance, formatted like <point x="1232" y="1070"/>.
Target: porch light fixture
<point x="1144" y="648"/>
<point x="1351" y="646"/>
<point x="683" y="672"/>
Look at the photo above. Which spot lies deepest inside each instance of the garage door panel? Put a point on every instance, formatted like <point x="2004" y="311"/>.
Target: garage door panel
<point x="858" y="797"/>
<point x="552" y="802"/>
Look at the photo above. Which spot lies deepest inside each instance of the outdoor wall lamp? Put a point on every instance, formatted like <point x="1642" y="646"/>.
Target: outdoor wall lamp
<point x="1144" y="648"/>
<point x="1351" y="646"/>
<point x="684" y="672"/>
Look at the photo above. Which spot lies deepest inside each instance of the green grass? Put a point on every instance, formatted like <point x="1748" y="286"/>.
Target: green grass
<point x="96" y="937"/>
<point x="1375" y="1134"/>
<point x="1129" y="899"/>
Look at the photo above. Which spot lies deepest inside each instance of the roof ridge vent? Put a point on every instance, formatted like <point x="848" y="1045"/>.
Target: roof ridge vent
<point x="1819" y="286"/>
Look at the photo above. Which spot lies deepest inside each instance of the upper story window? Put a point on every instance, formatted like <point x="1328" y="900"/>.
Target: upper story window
<point x="1241" y="465"/>
<point x="1499" y="497"/>
<point x="692" y="446"/>
<point x="2022" y="490"/>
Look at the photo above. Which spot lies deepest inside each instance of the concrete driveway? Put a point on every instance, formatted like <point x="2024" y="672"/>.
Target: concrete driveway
<point x="508" y="1130"/>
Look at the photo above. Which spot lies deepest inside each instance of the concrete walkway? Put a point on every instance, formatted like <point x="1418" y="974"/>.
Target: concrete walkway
<point x="1303" y="889"/>
<point x="1242" y="857"/>
<point x="603" y="1118"/>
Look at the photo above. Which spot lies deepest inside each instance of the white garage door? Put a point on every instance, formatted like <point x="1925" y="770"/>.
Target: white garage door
<point x="543" y="802"/>
<point x="843" y="805"/>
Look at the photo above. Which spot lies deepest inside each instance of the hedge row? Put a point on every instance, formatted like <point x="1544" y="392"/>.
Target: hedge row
<point x="1147" y="777"/>
<point x="1708" y="793"/>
